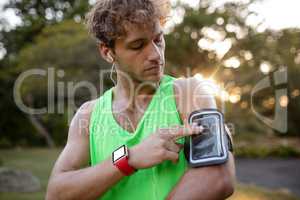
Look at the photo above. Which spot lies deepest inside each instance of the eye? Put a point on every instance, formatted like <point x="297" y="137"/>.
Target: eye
<point x="137" y="46"/>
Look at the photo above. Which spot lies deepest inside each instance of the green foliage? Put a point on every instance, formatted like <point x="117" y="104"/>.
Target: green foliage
<point x="279" y="48"/>
<point x="4" y="143"/>
<point x="57" y="125"/>
<point x="66" y="47"/>
<point x="35" y="15"/>
<point x="60" y="43"/>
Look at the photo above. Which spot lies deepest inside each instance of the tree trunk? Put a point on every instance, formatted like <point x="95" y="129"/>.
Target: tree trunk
<point x="41" y="130"/>
<point x="38" y="125"/>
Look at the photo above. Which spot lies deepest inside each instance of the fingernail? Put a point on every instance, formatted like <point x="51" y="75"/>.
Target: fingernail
<point x="201" y="128"/>
<point x="194" y="124"/>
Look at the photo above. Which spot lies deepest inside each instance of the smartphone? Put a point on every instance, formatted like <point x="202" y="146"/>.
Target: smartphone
<point x="208" y="147"/>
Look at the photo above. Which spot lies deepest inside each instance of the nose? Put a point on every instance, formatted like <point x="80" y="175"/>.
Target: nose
<point x="155" y="53"/>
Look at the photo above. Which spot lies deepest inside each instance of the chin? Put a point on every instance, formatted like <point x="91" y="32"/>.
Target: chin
<point x="153" y="77"/>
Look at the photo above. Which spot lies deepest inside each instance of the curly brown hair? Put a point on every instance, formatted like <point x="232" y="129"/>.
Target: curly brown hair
<point x="107" y="18"/>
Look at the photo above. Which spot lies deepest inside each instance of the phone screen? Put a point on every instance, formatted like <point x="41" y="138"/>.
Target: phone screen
<point x="207" y="144"/>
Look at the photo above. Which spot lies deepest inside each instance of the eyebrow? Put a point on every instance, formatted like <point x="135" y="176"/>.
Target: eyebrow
<point x="142" y="39"/>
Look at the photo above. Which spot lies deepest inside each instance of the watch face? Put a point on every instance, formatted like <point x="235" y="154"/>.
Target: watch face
<point x="119" y="153"/>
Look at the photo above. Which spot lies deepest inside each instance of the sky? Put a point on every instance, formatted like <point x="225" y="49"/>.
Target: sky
<point x="277" y="14"/>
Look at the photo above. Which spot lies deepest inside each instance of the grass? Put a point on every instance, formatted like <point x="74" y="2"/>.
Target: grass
<point x="252" y="192"/>
<point x="40" y="163"/>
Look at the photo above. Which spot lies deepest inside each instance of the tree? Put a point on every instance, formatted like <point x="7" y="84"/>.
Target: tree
<point x="216" y="42"/>
<point x="66" y="49"/>
<point x="35" y="16"/>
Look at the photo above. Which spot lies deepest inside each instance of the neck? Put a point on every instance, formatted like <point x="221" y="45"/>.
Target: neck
<point x="131" y="90"/>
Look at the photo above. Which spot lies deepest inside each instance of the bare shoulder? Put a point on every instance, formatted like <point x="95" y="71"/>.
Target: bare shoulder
<point x="75" y="154"/>
<point x="192" y="94"/>
<point x="80" y="122"/>
<point x="85" y="110"/>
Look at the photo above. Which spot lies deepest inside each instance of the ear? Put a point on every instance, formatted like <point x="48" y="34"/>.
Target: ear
<point x="105" y="52"/>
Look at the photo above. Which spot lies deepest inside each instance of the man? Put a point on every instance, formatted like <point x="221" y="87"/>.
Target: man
<point x="146" y="111"/>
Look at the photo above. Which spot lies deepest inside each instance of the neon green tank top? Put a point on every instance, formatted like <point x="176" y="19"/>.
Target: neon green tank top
<point x="106" y="135"/>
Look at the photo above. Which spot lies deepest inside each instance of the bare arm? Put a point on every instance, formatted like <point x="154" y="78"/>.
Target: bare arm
<point x="212" y="182"/>
<point x="71" y="178"/>
<point x="207" y="183"/>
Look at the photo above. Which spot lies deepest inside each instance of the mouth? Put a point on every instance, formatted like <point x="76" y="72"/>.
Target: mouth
<point x="153" y="68"/>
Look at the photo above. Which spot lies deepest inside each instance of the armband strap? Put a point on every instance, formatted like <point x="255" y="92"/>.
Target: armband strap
<point x="229" y="141"/>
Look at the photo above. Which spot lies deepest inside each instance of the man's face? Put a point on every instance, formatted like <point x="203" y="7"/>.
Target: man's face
<point x="140" y="53"/>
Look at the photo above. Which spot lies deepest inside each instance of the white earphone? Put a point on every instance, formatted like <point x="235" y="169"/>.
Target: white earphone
<point x="110" y="57"/>
<point x="112" y="68"/>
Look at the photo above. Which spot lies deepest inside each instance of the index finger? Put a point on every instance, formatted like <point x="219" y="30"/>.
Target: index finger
<point x="184" y="131"/>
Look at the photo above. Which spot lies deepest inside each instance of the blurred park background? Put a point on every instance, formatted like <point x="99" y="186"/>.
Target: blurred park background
<point x="248" y="49"/>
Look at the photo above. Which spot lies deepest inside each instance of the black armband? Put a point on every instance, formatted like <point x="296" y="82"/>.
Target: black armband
<point x="212" y="145"/>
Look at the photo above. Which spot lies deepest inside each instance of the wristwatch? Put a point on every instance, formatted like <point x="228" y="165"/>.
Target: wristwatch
<point x="120" y="160"/>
